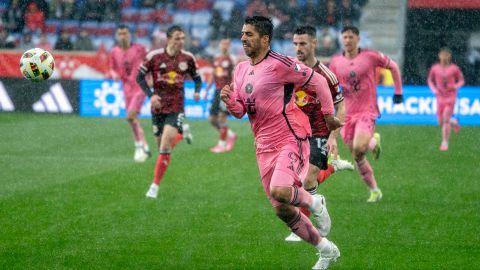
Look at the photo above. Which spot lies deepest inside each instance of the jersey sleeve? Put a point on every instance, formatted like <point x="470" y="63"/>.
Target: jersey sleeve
<point x="293" y="73"/>
<point x="192" y="67"/>
<point x="459" y="80"/>
<point x="384" y="61"/>
<point x="146" y="65"/>
<point x="381" y="60"/>
<point x="235" y="105"/>
<point x="112" y="72"/>
<point x="431" y="80"/>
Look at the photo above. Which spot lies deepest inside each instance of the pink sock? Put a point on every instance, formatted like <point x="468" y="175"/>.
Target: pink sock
<point x="137" y="131"/>
<point x="300" y="197"/>
<point x="366" y="172"/>
<point x="303" y="227"/>
<point x="446" y="132"/>
<point x="372" y="143"/>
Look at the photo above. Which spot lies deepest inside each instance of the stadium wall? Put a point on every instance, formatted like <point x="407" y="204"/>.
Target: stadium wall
<point x="104" y="98"/>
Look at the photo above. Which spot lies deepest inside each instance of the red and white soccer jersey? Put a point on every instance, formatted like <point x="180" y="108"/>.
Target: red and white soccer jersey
<point x="308" y="102"/>
<point x="222" y="70"/>
<point x="169" y="74"/>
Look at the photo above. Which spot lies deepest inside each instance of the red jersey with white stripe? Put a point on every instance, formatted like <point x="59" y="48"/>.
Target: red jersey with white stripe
<point x="223" y="68"/>
<point x="265" y="91"/>
<point x="306" y="99"/>
<point x="357" y="78"/>
<point x="169" y="74"/>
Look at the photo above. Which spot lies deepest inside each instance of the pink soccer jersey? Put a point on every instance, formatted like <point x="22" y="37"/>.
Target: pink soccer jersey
<point x="357" y="78"/>
<point x="125" y="64"/>
<point x="445" y="81"/>
<point x="265" y="92"/>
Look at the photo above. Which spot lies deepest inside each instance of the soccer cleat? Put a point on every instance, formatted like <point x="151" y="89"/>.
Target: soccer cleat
<point x="326" y="256"/>
<point x="231" y="142"/>
<point x="140" y="155"/>
<point x="321" y="216"/>
<point x="341" y="165"/>
<point x="378" y="147"/>
<point x="444" y="146"/>
<point x="218" y="149"/>
<point x="293" y="238"/>
<point x="152" y="191"/>
<point x="187" y="133"/>
<point x="375" y="196"/>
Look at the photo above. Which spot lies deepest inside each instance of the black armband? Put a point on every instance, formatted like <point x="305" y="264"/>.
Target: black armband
<point x="198" y="83"/>
<point x="143" y="84"/>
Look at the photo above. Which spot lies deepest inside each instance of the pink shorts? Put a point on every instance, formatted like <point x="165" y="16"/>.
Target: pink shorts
<point x="445" y="109"/>
<point x="134" y="98"/>
<point x="284" y="168"/>
<point x="357" y="124"/>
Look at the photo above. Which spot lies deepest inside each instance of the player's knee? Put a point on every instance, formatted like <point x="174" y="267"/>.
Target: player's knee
<point x="285" y="212"/>
<point x="281" y="194"/>
<point x="359" y="151"/>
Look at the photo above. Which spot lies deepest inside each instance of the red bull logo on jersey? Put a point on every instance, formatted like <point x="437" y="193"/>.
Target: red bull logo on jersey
<point x="171" y="77"/>
<point x="302" y="98"/>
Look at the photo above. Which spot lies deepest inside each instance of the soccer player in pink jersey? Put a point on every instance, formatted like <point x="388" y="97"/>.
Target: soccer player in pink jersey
<point x="263" y="88"/>
<point x="124" y="59"/>
<point x="444" y="79"/>
<point x="355" y="69"/>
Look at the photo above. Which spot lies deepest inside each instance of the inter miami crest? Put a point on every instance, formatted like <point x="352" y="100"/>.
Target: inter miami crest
<point x="248" y="88"/>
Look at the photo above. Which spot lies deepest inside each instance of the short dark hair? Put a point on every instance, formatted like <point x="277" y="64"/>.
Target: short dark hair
<point x="445" y="49"/>
<point x="172" y="29"/>
<point x="263" y="25"/>
<point x="123" y="26"/>
<point x="352" y="28"/>
<point x="306" y="29"/>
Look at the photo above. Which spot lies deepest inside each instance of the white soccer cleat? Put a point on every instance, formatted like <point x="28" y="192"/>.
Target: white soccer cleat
<point x="152" y="191"/>
<point x="187" y="133"/>
<point x="321" y="216"/>
<point x="293" y="238"/>
<point x="342" y="165"/>
<point x="140" y="155"/>
<point x="327" y="255"/>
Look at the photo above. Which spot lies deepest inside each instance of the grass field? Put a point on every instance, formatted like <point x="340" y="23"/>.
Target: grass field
<point x="71" y="197"/>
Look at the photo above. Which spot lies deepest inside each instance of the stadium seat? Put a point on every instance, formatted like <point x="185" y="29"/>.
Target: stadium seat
<point x="71" y="26"/>
<point x="90" y="26"/>
<point x="106" y="29"/>
<point x="52" y="26"/>
<point x="130" y="15"/>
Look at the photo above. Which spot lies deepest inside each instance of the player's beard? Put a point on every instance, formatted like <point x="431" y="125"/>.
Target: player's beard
<point x="301" y="56"/>
<point x="251" y="49"/>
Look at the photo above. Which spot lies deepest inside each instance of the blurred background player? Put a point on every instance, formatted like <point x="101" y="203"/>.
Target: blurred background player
<point x="168" y="66"/>
<point x="322" y="141"/>
<point x="124" y="60"/>
<point x="263" y="88"/>
<point x="355" y="69"/>
<point x="222" y="75"/>
<point x="444" y="79"/>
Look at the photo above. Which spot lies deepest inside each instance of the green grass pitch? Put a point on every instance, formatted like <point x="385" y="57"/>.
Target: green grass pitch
<point x="71" y="197"/>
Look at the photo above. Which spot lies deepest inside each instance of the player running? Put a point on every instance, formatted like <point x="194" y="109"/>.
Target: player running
<point x="355" y="69"/>
<point x="169" y="66"/>
<point x="444" y="79"/>
<point x="222" y="75"/>
<point x="323" y="142"/>
<point x="124" y="60"/>
<point x="263" y="89"/>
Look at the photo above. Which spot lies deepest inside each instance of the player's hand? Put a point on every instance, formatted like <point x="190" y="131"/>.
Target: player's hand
<point x="332" y="147"/>
<point x="332" y="122"/>
<point x="155" y="101"/>
<point x="196" y="96"/>
<point x="225" y="93"/>
<point x="397" y="99"/>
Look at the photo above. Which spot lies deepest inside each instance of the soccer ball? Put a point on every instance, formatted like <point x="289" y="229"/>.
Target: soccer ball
<point x="37" y="64"/>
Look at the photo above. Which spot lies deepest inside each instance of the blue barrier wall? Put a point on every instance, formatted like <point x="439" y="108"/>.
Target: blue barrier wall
<point x="105" y="98"/>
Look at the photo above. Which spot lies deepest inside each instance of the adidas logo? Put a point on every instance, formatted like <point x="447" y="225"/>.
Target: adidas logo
<point x="54" y="100"/>
<point x="251" y="73"/>
<point x="6" y="103"/>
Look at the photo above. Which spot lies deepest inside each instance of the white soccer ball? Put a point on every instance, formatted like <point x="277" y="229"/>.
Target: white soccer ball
<point x="37" y="64"/>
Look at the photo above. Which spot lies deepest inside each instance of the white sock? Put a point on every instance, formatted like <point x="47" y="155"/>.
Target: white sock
<point x="324" y="245"/>
<point x="222" y="143"/>
<point x="375" y="189"/>
<point x="230" y="133"/>
<point x="138" y="144"/>
<point x="317" y="202"/>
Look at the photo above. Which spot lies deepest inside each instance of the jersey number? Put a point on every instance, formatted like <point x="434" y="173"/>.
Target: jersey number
<point x="250" y="104"/>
